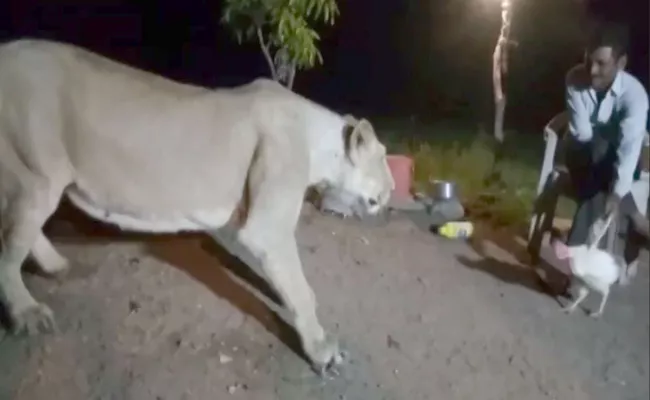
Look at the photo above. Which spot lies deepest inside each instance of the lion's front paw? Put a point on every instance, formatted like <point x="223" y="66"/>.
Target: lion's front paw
<point x="325" y="355"/>
<point x="33" y="320"/>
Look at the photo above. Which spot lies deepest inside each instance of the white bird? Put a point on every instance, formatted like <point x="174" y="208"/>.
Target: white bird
<point x="591" y="268"/>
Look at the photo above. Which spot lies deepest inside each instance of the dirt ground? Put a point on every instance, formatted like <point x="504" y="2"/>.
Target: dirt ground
<point x="421" y="317"/>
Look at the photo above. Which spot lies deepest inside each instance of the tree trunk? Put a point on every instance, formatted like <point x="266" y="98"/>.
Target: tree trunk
<point x="292" y="75"/>
<point x="277" y="71"/>
<point x="500" y="70"/>
<point x="267" y="52"/>
<point x="499" y="95"/>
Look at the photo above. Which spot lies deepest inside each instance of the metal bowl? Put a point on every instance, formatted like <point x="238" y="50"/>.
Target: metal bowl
<point x="443" y="190"/>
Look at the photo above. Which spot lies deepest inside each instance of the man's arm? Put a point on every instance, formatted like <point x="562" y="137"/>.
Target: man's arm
<point x="633" y="129"/>
<point x="579" y="119"/>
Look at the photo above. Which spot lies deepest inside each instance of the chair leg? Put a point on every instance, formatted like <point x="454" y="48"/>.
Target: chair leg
<point x="542" y="220"/>
<point x="536" y="223"/>
<point x="550" y="213"/>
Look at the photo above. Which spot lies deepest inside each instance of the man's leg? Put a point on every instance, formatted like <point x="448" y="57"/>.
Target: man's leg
<point x="589" y="209"/>
<point x="591" y="167"/>
<point x="641" y="226"/>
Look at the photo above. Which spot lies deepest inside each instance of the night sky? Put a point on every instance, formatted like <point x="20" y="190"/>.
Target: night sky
<point x="393" y="57"/>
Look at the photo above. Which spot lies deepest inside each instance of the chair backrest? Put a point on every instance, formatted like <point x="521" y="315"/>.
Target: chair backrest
<point x="554" y="135"/>
<point x="559" y="124"/>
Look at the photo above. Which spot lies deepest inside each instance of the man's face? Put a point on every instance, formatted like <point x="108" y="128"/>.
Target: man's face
<point x="603" y="65"/>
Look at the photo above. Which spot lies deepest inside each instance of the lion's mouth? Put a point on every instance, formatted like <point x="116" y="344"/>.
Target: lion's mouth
<point x="365" y="207"/>
<point x="340" y="201"/>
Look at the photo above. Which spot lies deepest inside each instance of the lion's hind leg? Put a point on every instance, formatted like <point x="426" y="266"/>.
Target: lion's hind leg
<point x="48" y="260"/>
<point x="24" y="217"/>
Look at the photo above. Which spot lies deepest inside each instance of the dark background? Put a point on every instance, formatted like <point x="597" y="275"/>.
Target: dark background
<point x="384" y="57"/>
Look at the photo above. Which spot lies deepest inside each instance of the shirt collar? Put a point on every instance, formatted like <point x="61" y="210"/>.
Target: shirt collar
<point x="616" y="89"/>
<point x="617" y="85"/>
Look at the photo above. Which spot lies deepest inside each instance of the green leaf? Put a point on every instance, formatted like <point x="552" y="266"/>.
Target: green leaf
<point x="287" y="24"/>
<point x="310" y="8"/>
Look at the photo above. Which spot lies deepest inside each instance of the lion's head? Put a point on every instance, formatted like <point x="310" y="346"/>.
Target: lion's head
<point x="365" y="181"/>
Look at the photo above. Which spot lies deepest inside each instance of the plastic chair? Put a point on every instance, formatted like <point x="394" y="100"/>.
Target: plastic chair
<point x="554" y="182"/>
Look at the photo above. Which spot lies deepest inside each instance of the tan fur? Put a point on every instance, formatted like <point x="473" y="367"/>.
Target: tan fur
<point x="148" y="154"/>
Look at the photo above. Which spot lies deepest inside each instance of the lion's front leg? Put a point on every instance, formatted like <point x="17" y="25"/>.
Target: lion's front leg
<point x="281" y="266"/>
<point x="277" y="181"/>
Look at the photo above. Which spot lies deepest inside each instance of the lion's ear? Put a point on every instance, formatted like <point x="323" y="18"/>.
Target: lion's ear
<point x="350" y="120"/>
<point x="357" y="135"/>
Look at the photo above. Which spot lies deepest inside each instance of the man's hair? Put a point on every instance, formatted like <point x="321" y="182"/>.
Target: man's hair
<point x="610" y="34"/>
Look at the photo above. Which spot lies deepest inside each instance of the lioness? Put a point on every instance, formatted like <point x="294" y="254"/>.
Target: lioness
<point x="149" y="154"/>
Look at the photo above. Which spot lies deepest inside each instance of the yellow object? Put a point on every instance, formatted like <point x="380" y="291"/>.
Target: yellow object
<point x="456" y="230"/>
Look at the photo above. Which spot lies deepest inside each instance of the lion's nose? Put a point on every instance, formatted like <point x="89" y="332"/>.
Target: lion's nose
<point x="372" y="202"/>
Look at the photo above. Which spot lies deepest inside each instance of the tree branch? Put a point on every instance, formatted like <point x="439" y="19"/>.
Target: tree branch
<point x="267" y="54"/>
<point x="292" y="75"/>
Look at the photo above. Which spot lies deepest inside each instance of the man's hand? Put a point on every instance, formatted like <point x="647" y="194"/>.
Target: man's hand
<point x="612" y="203"/>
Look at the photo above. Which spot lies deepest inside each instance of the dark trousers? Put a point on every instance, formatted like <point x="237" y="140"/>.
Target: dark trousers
<point x="592" y="169"/>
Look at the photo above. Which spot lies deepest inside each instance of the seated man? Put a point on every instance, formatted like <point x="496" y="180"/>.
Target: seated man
<point x="608" y="111"/>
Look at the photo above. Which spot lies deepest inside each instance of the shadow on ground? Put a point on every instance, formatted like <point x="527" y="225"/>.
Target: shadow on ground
<point x="194" y="254"/>
<point x="543" y="277"/>
<point x="459" y="331"/>
<point x="231" y="279"/>
<point x="509" y="273"/>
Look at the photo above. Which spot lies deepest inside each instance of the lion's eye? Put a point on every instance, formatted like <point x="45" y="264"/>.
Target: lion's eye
<point x="372" y="202"/>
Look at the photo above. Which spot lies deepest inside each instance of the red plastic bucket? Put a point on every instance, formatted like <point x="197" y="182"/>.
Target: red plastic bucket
<point x="401" y="167"/>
